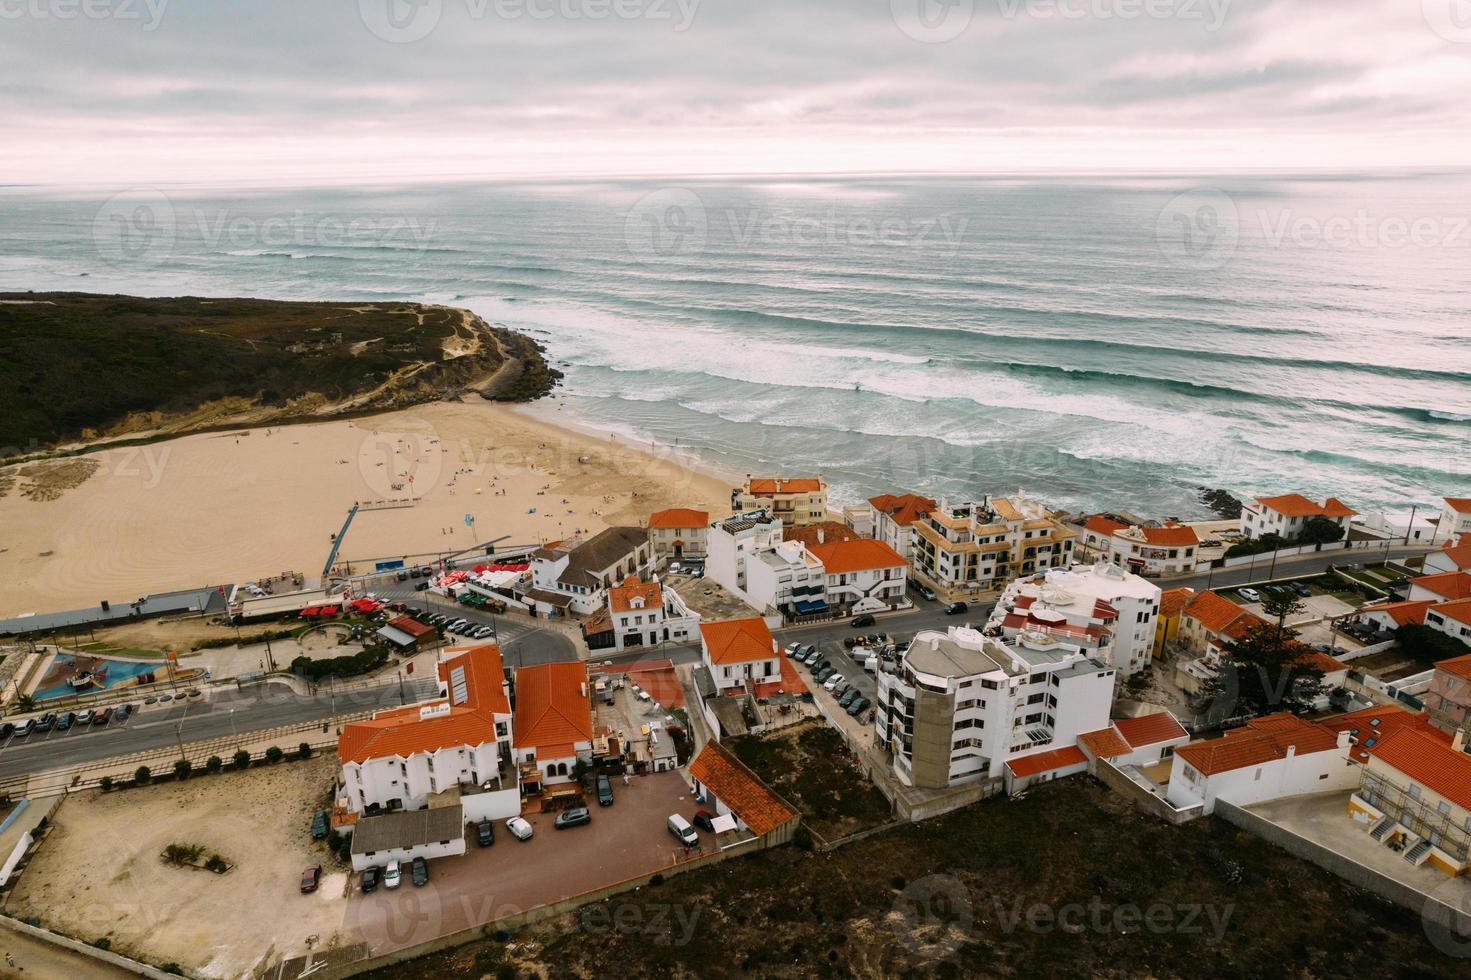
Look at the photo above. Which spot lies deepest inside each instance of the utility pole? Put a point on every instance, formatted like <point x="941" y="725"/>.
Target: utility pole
<point x="179" y="734"/>
<point x="1409" y="526"/>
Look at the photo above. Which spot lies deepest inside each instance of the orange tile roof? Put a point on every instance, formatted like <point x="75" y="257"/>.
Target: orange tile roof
<point x="1296" y="505"/>
<point x="553" y="711"/>
<point x="679" y="517"/>
<point x="1461" y="505"/>
<point x="1105" y="743"/>
<point x="1150" y="729"/>
<point x="1262" y="740"/>
<point x="1429" y="762"/>
<point x="1460" y="666"/>
<point x="830" y="531"/>
<point x="902" y="509"/>
<point x="621" y="598"/>
<point x="1459" y="554"/>
<point x="767" y="486"/>
<point x="1173" y="601"/>
<point x="1459" y="610"/>
<point x="1448" y="585"/>
<point x="858" y="555"/>
<point x="1242" y="625"/>
<point x="758" y="807"/>
<point x="1215" y="612"/>
<point x="1370" y="726"/>
<point x="736" y="641"/>
<point x="1040" y="762"/>
<point x="485" y="676"/>
<point x="1099" y="524"/>
<point x="411" y="626"/>
<point x="1402" y="613"/>
<point x="1175" y="536"/>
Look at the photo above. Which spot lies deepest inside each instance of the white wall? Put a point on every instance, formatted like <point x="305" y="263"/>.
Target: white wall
<point x="404" y="855"/>
<point x="1315" y="772"/>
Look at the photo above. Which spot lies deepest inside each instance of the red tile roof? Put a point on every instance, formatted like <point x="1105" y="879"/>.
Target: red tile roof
<point x="411" y="626"/>
<point x="1174" y="536"/>
<point x="1459" y="610"/>
<point x="757" y="806"/>
<point x="1429" y="762"/>
<point x="485" y="677"/>
<point x="621" y="598"/>
<point x="859" y="555"/>
<point x="1173" y="601"/>
<point x="1262" y="740"/>
<point x="1040" y="762"/>
<point x="679" y="517"/>
<point x="1370" y="726"/>
<point x="1215" y="612"/>
<point x="1459" y="554"/>
<point x="1460" y="666"/>
<point x="1461" y="505"/>
<point x="736" y="641"/>
<point x="903" y="509"/>
<point x="1402" y="613"/>
<point x="1150" y="729"/>
<point x="1447" y="585"/>
<point x="1099" y="524"/>
<point x="1105" y="743"/>
<point x="829" y="531"/>
<point x="1296" y="505"/>
<point x="767" y="486"/>
<point x="553" y="710"/>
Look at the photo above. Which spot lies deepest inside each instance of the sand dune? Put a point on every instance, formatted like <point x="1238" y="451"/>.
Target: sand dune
<point x="229" y="507"/>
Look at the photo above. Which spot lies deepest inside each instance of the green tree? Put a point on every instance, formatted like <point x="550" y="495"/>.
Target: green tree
<point x="182" y="769"/>
<point x="1279" y="603"/>
<point x="1265" y="671"/>
<point x="1321" y="530"/>
<point x="274" y="754"/>
<point x="25" y="703"/>
<point x="304" y="750"/>
<point x="214" y="764"/>
<point x="241" y="759"/>
<point x="142" y="776"/>
<point x="105" y="783"/>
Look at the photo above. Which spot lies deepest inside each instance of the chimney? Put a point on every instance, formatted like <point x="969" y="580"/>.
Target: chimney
<point x="1291" y="752"/>
<point x="1344" y="739"/>
<point x="584" y="690"/>
<point x="1458" y="740"/>
<point x="821" y="536"/>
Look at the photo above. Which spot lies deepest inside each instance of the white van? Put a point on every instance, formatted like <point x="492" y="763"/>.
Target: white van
<point x="681" y="829"/>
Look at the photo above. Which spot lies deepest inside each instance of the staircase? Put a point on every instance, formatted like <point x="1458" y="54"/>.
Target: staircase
<point x="1417" y="853"/>
<point x="1384" y="827"/>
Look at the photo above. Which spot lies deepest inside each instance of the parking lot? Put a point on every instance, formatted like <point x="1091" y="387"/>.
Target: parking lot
<point x="623" y="841"/>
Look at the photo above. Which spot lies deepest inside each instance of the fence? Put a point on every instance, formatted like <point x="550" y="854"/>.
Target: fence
<point x="85" y="949"/>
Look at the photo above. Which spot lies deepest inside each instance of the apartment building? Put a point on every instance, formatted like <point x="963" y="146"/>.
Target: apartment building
<point x="1143" y="550"/>
<point x="894" y="517"/>
<point x="1449" y="697"/>
<point x="732" y="543"/>
<point x="678" y="532"/>
<point x="959" y="706"/>
<point x="968" y="550"/>
<point x="792" y="500"/>
<point x="1416" y="795"/>
<point x="1286" y="515"/>
<point x="576" y="574"/>
<point x="740" y="650"/>
<point x="643" y="613"/>
<point x="1107" y="611"/>
<point x="861" y="575"/>
<point x="1455" y="519"/>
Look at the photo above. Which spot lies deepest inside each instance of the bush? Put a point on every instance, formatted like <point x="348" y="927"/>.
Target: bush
<point x="103" y="943"/>
<point x="216" y="864"/>
<point x="214" y="764"/>
<point x="241" y="759"/>
<point x="105" y="783"/>
<point x="274" y="754"/>
<point x="182" y="769"/>
<point x="142" y="776"/>
<point x="304" y="750"/>
<point x="370" y="658"/>
<point x="183" y="853"/>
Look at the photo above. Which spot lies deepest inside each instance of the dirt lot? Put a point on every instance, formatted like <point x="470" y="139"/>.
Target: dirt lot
<point x="811" y="766"/>
<point x="99" y="874"/>
<point x="1056" y="885"/>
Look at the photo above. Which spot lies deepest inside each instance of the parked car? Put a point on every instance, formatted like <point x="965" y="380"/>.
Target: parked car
<point x="858" y="707"/>
<point x="372" y="878"/>
<point x="956" y="609"/>
<point x="811" y="657"/>
<point x="705" y="820"/>
<point x="421" y="586"/>
<point x="84" y="717"/>
<point x="392" y="875"/>
<point x="401" y="575"/>
<point x="572" y="817"/>
<point x="419" y="872"/>
<point x="822" y="674"/>
<point x="101" y="717"/>
<point x="25" y="728"/>
<point x="46" y="722"/>
<point x="1300" y="589"/>
<point x="319" y="825"/>
<point x="311" y="878"/>
<point x="682" y="831"/>
<point x="832" y="682"/>
<point x="1250" y="595"/>
<point x="7" y="729"/>
<point x="605" y="791"/>
<point x="64" y="721"/>
<point x="485" y="832"/>
<point x="847" y="699"/>
<point x="122" y="713"/>
<point x="794" y="648"/>
<point x="926" y="592"/>
<point x="861" y="621"/>
<point x="519" y="828"/>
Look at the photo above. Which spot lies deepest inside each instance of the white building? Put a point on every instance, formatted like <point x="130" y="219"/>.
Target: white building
<point x="1453" y="556"/>
<point x="577" y="574"/>
<point x="1287" y="515"/>
<point x="1167" y="550"/>
<point x="678" y="532"/>
<point x="786" y="577"/>
<point x="457" y="741"/>
<point x="553" y="721"/>
<point x="730" y="545"/>
<point x="893" y="519"/>
<point x="740" y="650"/>
<point x="645" y="613"/>
<point x="792" y="500"/>
<point x="964" y="551"/>
<point x="1108" y="611"/>
<point x="959" y="706"/>
<point x="1273" y="756"/>
<point x="1455" y="519"/>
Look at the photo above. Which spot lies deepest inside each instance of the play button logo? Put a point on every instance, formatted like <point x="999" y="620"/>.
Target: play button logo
<point x="1450" y="19"/>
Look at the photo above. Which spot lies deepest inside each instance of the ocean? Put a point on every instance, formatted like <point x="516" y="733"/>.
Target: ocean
<point x="1105" y="343"/>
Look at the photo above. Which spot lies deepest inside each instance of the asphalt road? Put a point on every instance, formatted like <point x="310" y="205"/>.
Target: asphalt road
<point x="1265" y="570"/>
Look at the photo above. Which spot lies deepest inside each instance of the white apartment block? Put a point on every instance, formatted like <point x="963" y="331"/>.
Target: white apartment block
<point x="1167" y="550"/>
<point x="1107" y="611"/>
<point x="893" y="517"/>
<point x="732" y="543"/>
<point x="959" y="705"/>
<point x="792" y="500"/>
<point x="972" y="549"/>
<point x="1455" y="519"/>
<point x="1286" y="515"/>
<point x="646" y="613"/>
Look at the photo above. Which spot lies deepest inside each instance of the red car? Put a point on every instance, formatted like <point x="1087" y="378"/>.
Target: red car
<point x="311" y="878"/>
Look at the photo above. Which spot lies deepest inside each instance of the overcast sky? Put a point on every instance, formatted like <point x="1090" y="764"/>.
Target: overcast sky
<point x="120" y="91"/>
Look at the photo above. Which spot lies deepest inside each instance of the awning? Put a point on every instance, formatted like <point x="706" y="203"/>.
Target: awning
<point x="396" y="636"/>
<point x="723" y="823"/>
<point x="811" y="606"/>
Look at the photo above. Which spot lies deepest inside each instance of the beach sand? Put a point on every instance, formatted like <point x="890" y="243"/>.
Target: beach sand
<point x="241" y="505"/>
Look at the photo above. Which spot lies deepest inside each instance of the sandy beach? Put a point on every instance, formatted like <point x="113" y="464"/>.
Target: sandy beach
<point x="241" y="505"/>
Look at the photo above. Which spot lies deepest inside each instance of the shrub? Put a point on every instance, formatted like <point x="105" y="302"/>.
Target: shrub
<point x="274" y="754"/>
<point x="142" y="776"/>
<point x="182" y="769"/>
<point x="241" y="759"/>
<point x="103" y="943"/>
<point x="214" y="764"/>
<point x="216" y="864"/>
<point x="105" y="783"/>
<point x="183" y="853"/>
<point x="304" y="750"/>
<point x="369" y="658"/>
